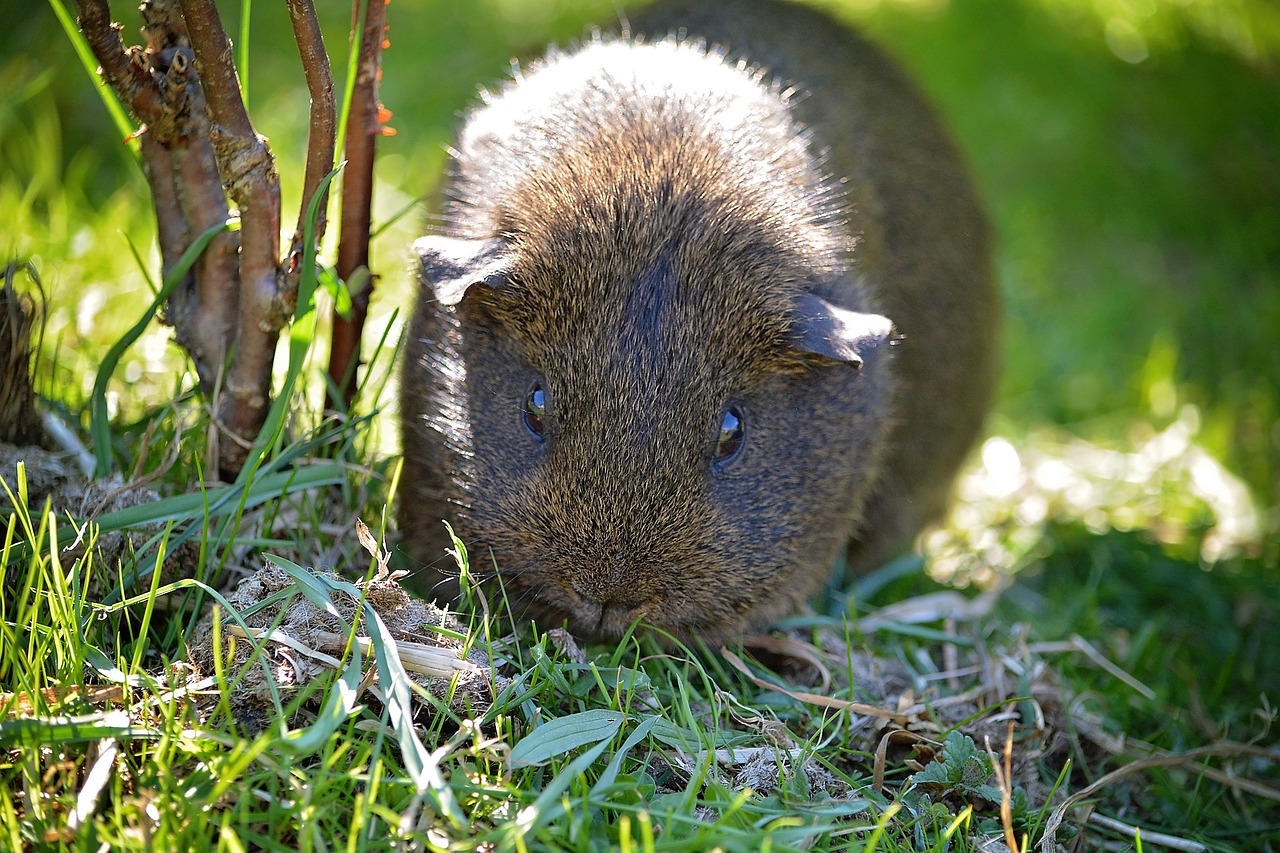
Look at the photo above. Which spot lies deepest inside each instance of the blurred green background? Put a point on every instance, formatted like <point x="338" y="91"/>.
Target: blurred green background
<point x="1128" y="150"/>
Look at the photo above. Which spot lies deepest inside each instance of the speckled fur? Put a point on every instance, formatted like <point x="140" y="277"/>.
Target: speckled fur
<point x="638" y="226"/>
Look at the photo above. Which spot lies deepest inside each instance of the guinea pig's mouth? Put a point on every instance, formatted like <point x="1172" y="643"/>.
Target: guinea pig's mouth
<point x="608" y="621"/>
<point x="664" y="616"/>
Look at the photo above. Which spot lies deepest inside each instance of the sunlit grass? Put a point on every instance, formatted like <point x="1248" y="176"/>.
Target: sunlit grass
<point x="1137" y="235"/>
<point x="1164" y="484"/>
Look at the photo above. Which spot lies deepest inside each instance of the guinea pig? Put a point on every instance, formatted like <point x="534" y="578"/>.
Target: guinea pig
<point x="711" y="304"/>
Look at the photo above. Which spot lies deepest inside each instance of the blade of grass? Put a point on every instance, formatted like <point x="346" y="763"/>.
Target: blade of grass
<point x="214" y="502"/>
<point x="397" y="216"/>
<point x="185" y="584"/>
<point x="150" y="607"/>
<point x="76" y="729"/>
<point x="246" y="6"/>
<point x="197" y="509"/>
<point x="142" y="266"/>
<point x="308" y="280"/>
<point x="349" y="85"/>
<point x="312" y="587"/>
<point x="100" y="424"/>
<point x="339" y="706"/>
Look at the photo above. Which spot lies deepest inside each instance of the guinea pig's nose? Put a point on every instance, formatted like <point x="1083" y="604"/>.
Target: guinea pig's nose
<point x="611" y="586"/>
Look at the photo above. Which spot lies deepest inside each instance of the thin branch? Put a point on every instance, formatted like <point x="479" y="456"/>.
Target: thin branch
<point x="172" y="234"/>
<point x="321" y="137"/>
<point x="249" y="174"/>
<point x="202" y="311"/>
<point x="321" y="142"/>
<point x="363" y="130"/>
<point x="209" y="328"/>
<point x="217" y="71"/>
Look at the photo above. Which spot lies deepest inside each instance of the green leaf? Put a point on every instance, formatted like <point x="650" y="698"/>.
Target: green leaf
<point x="36" y="732"/>
<point x="557" y="737"/>
<point x="307" y="281"/>
<point x="961" y="768"/>
<point x="311" y="587"/>
<point x="615" y="764"/>
<point x="341" y="703"/>
<point x="338" y="290"/>
<point x="106" y="669"/>
<point x="676" y="737"/>
<point x="552" y="671"/>
<point x="548" y="805"/>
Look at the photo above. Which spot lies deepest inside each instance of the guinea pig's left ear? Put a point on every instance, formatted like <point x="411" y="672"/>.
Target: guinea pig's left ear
<point x="831" y="332"/>
<point x="451" y="266"/>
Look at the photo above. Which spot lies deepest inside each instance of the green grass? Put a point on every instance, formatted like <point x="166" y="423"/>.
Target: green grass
<point x="1133" y="498"/>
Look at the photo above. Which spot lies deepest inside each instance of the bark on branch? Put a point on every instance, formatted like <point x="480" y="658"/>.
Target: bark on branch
<point x="363" y="129"/>
<point x="321" y="137"/>
<point x="249" y="174"/>
<point x="199" y="148"/>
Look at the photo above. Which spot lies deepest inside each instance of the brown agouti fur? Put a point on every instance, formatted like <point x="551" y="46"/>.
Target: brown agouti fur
<point x="650" y="374"/>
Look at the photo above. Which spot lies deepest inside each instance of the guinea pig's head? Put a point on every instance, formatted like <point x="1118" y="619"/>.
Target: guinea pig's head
<point x="681" y="438"/>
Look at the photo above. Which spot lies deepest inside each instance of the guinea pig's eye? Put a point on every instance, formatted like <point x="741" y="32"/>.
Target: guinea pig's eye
<point x="733" y="430"/>
<point x="535" y="409"/>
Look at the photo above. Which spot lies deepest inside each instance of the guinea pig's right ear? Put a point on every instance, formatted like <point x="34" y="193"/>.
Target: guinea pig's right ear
<point x="827" y="331"/>
<point x="451" y="266"/>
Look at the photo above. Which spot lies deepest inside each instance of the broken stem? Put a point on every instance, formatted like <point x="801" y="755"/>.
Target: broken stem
<point x="416" y="657"/>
